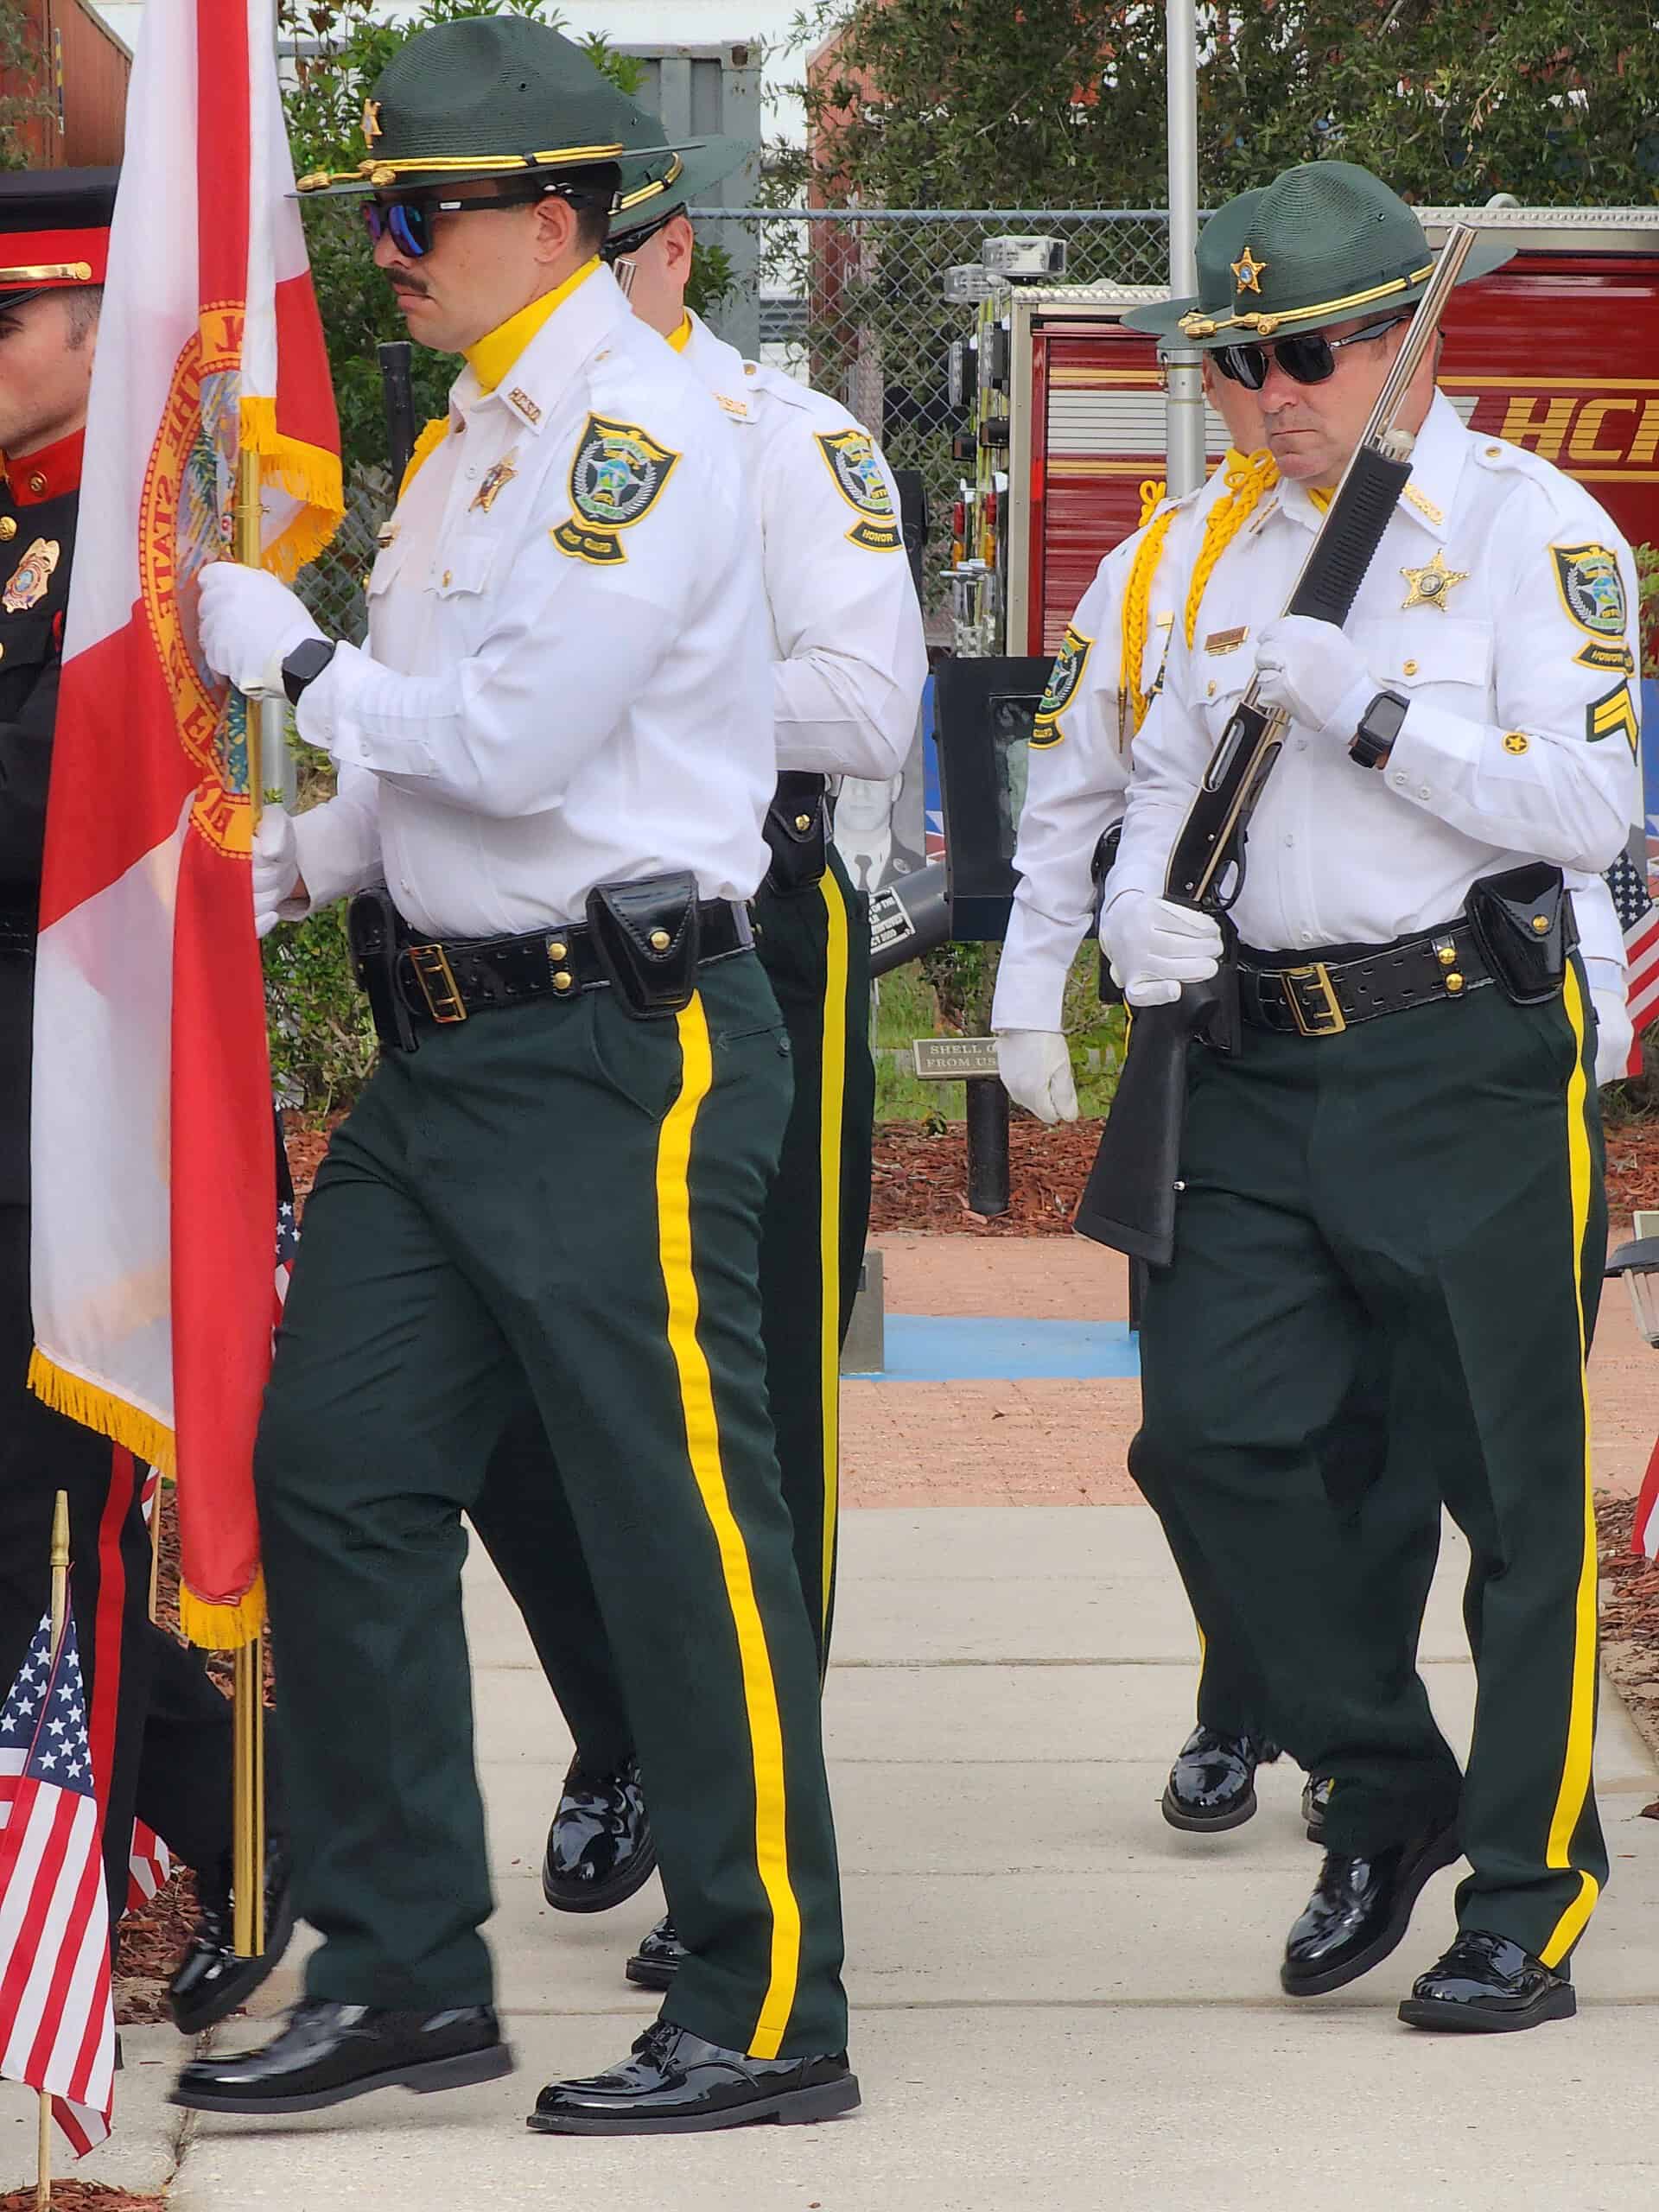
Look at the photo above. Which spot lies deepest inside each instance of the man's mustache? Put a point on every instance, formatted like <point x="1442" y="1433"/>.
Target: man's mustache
<point x="413" y="285"/>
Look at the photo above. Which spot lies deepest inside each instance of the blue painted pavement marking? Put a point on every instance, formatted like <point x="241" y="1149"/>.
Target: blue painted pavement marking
<point x="946" y="1348"/>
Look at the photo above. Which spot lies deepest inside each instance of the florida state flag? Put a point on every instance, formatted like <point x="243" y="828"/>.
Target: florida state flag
<point x="153" y="1175"/>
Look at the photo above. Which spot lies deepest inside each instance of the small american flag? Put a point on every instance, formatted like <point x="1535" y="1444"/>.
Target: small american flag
<point x="149" y="1867"/>
<point x="1638" y="917"/>
<point x="57" y="2023"/>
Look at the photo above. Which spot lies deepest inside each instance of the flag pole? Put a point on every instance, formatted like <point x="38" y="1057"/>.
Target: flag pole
<point x="248" y="1726"/>
<point x="60" y="1614"/>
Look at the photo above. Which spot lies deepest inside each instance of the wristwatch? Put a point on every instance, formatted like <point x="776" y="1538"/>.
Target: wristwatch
<point x="1379" y="726"/>
<point x="305" y="665"/>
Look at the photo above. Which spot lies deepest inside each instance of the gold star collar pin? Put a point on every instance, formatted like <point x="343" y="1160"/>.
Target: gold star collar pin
<point x="1431" y="585"/>
<point x="1248" y="272"/>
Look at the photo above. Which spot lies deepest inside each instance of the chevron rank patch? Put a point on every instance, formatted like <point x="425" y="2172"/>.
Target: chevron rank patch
<point x="1614" y="715"/>
<point x="616" y="479"/>
<point x="1063" y="681"/>
<point x="849" y="455"/>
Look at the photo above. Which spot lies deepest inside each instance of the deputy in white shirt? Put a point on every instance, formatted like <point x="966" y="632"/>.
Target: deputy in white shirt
<point x="1406" y="1151"/>
<point x="848" y="662"/>
<point x="559" y="748"/>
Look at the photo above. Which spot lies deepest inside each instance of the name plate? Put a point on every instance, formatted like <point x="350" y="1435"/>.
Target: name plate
<point x="948" y="1059"/>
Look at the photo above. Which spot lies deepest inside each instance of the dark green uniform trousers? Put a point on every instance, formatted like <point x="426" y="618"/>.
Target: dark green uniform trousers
<point x="1394" y="1526"/>
<point x="814" y="944"/>
<point x="1428" y="1184"/>
<point x="559" y="1198"/>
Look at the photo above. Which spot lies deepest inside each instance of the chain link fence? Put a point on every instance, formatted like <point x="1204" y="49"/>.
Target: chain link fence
<point x="851" y="303"/>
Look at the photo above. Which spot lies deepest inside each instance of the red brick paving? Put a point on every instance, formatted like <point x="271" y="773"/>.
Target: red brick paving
<point x="1063" y="1442"/>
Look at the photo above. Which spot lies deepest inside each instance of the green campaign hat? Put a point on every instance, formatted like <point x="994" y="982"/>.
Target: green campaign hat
<point x="1220" y="242"/>
<point x="1324" y="243"/>
<point x="490" y="97"/>
<point x="665" y="180"/>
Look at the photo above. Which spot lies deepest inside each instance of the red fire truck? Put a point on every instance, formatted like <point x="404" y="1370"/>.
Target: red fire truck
<point x="1558" y="351"/>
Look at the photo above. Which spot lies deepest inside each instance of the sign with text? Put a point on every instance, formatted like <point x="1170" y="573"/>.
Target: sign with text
<point x="950" y="1059"/>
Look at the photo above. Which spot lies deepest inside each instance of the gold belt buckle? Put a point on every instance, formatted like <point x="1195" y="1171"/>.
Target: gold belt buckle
<point x="1325" y="1018"/>
<point x="438" y="981"/>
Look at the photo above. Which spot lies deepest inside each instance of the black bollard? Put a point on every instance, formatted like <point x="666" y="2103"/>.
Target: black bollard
<point x="988" y="1145"/>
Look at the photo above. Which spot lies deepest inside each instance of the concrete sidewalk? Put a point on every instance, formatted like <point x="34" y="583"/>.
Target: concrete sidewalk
<point x="1057" y="2000"/>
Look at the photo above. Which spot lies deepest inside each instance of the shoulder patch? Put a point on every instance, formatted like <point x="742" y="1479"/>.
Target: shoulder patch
<point x="1613" y="714"/>
<point x="1592" y="589"/>
<point x="849" y="455"/>
<point x="1063" y="681"/>
<point x="616" y="479"/>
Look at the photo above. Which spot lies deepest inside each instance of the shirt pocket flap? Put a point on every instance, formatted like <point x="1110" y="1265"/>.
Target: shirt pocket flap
<point x="463" y="566"/>
<point x="1439" y="649"/>
<point x="388" y="562"/>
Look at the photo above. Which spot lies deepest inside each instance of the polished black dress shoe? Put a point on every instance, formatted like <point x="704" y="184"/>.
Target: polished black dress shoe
<point x="210" y="1980"/>
<point x="656" y="1961"/>
<point x="1212" y="1785"/>
<point x="600" y="1848"/>
<point x="677" y="2084"/>
<point x="1316" y="1796"/>
<point x="1487" y="1985"/>
<point x="1360" y="1910"/>
<point x="329" y="2052"/>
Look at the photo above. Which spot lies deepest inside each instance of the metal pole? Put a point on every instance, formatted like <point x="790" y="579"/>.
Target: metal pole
<point x="60" y="1614"/>
<point x="248" y="1724"/>
<point x="988" y="1145"/>
<point x="1185" y="420"/>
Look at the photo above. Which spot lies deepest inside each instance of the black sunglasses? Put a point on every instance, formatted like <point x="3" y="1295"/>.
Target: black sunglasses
<point x="409" y="221"/>
<point x="622" y="244"/>
<point x="1307" y="358"/>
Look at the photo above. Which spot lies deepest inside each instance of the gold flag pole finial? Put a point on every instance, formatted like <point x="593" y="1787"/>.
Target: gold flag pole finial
<point x="59" y="1615"/>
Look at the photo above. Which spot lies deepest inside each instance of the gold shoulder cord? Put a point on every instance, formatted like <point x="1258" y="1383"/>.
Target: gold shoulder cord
<point x="1249" y="476"/>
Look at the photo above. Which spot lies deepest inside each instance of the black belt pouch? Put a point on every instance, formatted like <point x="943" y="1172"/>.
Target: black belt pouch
<point x="798" y="855"/>
<point x="647" y="937"/>
<point x="1524" y="926"/>
<point x="371" y="933"/>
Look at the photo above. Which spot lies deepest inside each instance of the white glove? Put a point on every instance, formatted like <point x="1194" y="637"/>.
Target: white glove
<point x="1035" y="1066"/>
<point x="1614" y="1033"/>
<point x="249" y="624"/>
<point x="1154" y="946"/>
<point x="1315" y="674"/>
<point x="275" y="869"/>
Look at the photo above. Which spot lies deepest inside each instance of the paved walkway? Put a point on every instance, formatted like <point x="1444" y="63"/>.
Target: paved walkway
<point x="1057" y="2000"/>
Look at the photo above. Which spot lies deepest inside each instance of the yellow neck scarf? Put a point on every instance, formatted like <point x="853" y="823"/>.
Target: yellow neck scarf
<point x="495" y="353"/>
<point x="680" y="339"/>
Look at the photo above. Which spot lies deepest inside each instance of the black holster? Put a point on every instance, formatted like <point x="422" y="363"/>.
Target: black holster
<point x="371" y="933"/>
<point x="648" y="937"/>
<point x="1100" y="866"/>
<point x="796" y="830"/>
<point x="1524" y="925"/>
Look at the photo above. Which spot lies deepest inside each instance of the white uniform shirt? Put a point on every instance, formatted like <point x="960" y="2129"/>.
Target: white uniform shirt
<point x="1078" y="781"/>
<point x="848" y="656"/>
<point x="565" y="681"/>
<point x="1519" y="741"/>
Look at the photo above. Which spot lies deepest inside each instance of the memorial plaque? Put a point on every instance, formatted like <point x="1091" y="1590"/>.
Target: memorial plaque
<point x="952" y="1059"/>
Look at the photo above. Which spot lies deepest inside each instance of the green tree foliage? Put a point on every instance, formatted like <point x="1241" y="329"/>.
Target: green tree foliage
<point x="23" y="72"/>
<point x="343" y="48"/>
<point x="1060" y="103"/>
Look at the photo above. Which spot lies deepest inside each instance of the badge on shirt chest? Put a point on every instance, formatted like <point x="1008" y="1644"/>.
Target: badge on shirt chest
<point x="32" y="578"/>
<point x="499" y="473"/>
<point x="1432" y="586"/>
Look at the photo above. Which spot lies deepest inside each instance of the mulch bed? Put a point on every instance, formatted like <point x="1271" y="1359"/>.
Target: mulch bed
<point x="921" y="1179"/>
<point x="1630" y="1621"/>
<point x="82" y="2196"/>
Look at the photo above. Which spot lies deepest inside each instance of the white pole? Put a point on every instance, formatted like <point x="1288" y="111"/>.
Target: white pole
<point x="1184" y="425"/>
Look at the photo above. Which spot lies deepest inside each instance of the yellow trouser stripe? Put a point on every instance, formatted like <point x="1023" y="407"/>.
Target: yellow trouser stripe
<point x="702" y="1442"/>
<point x="832" y="1088"/>
<point x="1575" y="1771"/>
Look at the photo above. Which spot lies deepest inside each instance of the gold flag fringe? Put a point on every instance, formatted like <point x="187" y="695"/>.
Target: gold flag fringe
<point x="221" y="1625"/>
<point x="306" y="472"/>
<point x="143" y="1435"/>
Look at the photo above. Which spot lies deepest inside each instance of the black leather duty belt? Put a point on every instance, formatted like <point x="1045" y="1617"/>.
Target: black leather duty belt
<point x="1342" y="986"/>
<point x="449" y="982"/>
